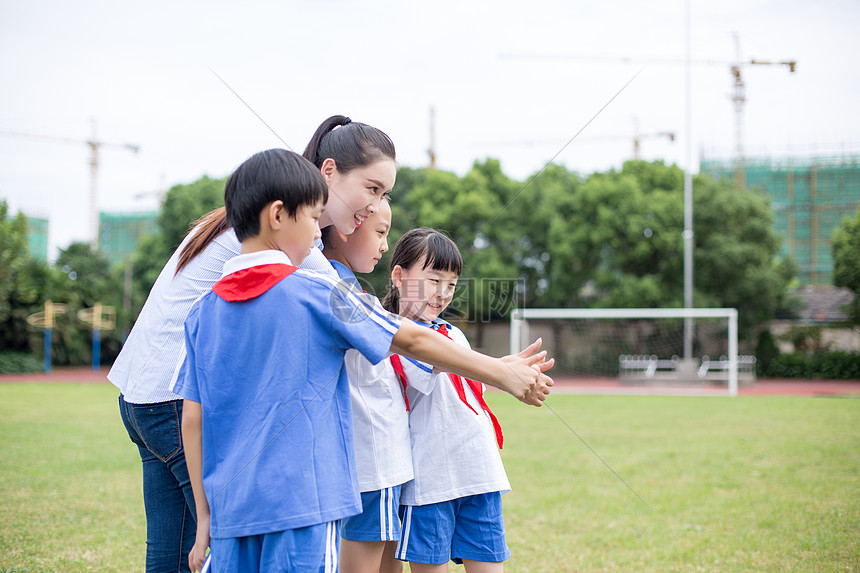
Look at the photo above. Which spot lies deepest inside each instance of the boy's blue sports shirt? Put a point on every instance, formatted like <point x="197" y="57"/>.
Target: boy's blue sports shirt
<point x="278" y="449"/>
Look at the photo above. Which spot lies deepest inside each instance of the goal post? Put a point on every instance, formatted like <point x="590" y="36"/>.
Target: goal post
<point x="519" y="333"/>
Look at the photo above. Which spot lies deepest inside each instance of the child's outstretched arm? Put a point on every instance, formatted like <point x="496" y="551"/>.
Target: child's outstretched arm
<point x="521" y="375"/>
<point x="192" y="419"/>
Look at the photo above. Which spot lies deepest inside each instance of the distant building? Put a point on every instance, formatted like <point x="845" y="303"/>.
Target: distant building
<point x="119" y="232"/>
<point x="809" y="197"/>
<point x="37" y="237"/>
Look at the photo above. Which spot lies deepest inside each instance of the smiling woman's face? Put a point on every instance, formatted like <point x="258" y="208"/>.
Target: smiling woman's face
<point x="355" y="195"/>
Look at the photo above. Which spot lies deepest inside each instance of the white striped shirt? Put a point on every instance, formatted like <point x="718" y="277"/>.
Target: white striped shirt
<point x="316" y="261"/>
<point x="148" y="363"/>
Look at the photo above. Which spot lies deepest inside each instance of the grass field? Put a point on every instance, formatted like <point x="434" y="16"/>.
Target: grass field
<point x="731" y="484"/>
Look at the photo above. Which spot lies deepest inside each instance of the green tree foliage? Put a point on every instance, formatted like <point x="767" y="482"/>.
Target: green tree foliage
<point x="471" y="210"/>
<point x="79" y="278"/>
<point x="846" y="259"/>
<point x="22" y="281"/>
<point x="183" y="205"/>
<point x="615" y="240"/>
<point x="609" y="240"/>
<point x="736" y="253"/>
<point x="84" y="278"/>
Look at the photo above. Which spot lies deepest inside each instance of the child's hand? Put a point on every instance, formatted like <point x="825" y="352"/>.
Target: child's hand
<point x="197" y="557"/>
<point x="544" y="383"/>
<point x="530" y="385"/>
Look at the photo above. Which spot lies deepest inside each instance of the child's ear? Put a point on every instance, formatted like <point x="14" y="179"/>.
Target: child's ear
<point x="276" y="214"/>
<point x="343" y="238"/>
<point x="328" y="169"/>
<point x="397" y="276"/>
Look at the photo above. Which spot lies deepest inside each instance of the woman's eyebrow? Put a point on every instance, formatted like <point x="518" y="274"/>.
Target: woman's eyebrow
<point x="377" y="183"/>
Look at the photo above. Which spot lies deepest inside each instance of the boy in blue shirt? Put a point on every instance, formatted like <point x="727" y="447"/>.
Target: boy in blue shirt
<point x="267" y="421"/>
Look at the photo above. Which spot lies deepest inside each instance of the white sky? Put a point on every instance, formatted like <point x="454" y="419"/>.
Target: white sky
<point x="142" y="71"/>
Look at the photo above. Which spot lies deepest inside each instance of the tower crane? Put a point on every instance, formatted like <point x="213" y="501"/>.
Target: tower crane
<point x="431" y="151"/>
<point x="739" y="98"/>
<point x="738" y="87"/>
<point x="637" y="139"/>
<point x="95" y="146"/>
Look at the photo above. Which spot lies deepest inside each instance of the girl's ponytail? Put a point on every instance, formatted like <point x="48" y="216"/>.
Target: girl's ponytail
<point x="391" y="301"/>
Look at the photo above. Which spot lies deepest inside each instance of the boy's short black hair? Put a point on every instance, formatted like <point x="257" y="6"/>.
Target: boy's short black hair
<point x="267" y="176"/>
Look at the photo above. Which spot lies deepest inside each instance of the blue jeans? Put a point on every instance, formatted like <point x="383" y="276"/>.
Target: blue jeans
<point x="171" y="521"/>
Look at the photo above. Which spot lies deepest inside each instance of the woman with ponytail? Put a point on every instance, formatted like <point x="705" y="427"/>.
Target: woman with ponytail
<point x="358" y="163"/>
<point x="150" y="411"/>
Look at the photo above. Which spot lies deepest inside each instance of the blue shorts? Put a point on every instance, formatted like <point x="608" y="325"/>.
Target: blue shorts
<point x="470" y="527"/>
<point x="378" y="520"/>
<point x="313" y="548"/>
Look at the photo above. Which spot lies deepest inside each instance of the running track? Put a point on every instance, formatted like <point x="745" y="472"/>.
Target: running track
<point x="609" y="386"/>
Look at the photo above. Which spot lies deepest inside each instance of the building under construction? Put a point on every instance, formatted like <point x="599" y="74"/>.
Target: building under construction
<point x="809" y="197"/>
<point x="37" y="237"/>
<point x="120" y="232"/>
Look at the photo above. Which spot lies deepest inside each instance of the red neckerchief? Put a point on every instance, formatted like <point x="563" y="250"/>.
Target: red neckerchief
<point x="401" y="375"/>
<point x="457" y="380"/>
<point x="251" y="282"/>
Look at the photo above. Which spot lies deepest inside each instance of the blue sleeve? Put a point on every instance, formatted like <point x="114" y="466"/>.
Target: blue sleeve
<point x="359" y="320"/>
<point x="187" y="384"/>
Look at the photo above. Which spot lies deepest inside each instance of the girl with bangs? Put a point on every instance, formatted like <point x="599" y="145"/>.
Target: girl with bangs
<point x="452" y="508"/>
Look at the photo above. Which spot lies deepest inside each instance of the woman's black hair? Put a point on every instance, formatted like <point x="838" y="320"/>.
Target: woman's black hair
<point x="350" y="143"/>
<point x="327" y="236"/>
<point x="437" y="250"/>
<point x="267" y="176"/>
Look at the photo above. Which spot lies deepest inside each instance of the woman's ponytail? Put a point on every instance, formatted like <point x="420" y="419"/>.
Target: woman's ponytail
<point x="311" y="152"/>
<point x="212" y="224"/>
<point x="350" y="143"/>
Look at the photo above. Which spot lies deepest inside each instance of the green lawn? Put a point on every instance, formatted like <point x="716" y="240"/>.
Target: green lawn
<point x="732" y="484"/>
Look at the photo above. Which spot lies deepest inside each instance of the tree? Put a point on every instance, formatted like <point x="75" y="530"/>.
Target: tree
<point x="611" y="239"/>
<point x="472" y="211"/>
<point x="538" y="216"/>
<point x="22" y="281"/>
<point x="737" y="253"/>
<point x="83" y="278"/>
<point x="183" y="205"/>
<point x="616" y="241"/>
<point x="846" y="260"/>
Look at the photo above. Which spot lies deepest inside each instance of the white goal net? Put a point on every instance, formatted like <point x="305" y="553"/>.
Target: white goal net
<point x="640" y="346"/>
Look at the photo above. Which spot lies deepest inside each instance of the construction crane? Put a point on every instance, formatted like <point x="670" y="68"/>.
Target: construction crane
<point x="739" y="98"/>
<point x="738" y="87"/>
<point x="94" y="145"/>
<point x="431" y="151"/>
<point x="637" y="139"/>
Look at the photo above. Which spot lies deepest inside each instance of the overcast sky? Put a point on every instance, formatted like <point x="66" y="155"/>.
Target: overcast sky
<point x="144" y="73"/>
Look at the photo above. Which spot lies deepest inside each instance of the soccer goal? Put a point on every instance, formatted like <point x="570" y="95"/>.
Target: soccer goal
<point x="640" y="345"/>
